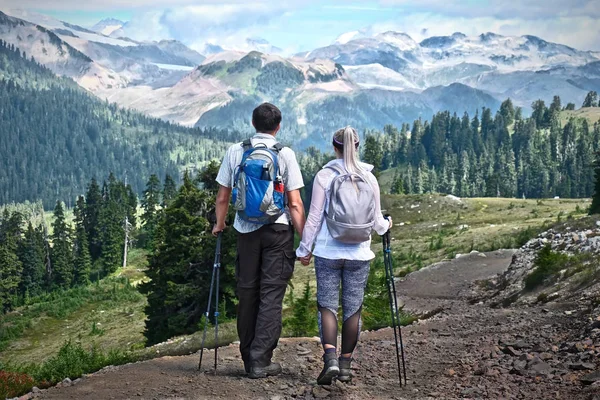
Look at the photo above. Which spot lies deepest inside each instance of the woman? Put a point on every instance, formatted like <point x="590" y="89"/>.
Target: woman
<point x="337" y="262"/>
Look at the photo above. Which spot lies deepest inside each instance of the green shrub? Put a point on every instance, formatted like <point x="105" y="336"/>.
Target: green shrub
<point x="376" y="307"/>
<point x="547" y="263"/>
<point x="72" y="361"/>
<point x="303" y="321"/>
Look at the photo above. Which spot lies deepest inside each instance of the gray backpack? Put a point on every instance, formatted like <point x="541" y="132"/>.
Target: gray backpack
<point x="351" y="213"/>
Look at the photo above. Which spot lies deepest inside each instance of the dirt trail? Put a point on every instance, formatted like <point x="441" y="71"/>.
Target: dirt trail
<point x="454" y="354"/>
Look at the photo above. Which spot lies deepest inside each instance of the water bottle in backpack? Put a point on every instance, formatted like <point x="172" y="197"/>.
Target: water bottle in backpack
<point x="258" y="193"/>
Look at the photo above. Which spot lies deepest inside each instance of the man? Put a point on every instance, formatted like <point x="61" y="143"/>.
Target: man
<point x="265" y="261"/>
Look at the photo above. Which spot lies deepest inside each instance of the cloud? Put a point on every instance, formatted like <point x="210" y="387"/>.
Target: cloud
<point x="310" y="23"/>
<point x="503" y="9"/>
<point x="198" y="24"/>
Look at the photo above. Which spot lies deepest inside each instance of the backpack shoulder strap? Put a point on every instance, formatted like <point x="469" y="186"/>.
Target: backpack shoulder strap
<point x="247" y="144"/>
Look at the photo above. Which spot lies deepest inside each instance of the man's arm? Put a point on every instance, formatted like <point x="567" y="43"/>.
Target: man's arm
<point x="221" y="208"/>
<point x="296" y="210"/>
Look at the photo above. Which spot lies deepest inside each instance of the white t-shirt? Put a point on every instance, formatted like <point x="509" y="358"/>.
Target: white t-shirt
<point x="288" y="165"/>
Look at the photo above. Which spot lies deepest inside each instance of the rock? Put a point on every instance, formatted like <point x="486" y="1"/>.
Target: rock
<point x="320" y="393"/>
<point x="511" y="351"/>
<point x="582" y="366"/>
<point x="36" y="389"/>
<point x="66" y="382"/>
<point x="519" y="367"/>
<point x="526" y="357"/>
<point x="450" y="372"/>
<point x="521" y="345"/>
<point x="546" y="356"/>
<point x="590" y="378"/>
<point x="539" y="366"/>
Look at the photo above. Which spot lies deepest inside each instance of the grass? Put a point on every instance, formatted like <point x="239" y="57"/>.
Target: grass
<point x="109" y="313"/>
<point x="592" y="114"/>
<point x="430" y="228"/>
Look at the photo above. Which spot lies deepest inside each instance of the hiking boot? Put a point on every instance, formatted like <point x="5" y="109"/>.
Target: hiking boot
<point x="331" y="369"/>
<point x="262" y="372"/>
<point x="247" y="367"/>
<point x="345" y="374"/>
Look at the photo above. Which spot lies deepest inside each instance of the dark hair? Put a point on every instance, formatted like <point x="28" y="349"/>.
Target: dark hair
<point x="266" y="118"/>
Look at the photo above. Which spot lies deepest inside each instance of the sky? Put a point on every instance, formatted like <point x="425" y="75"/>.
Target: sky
<point x="301" y="25"/>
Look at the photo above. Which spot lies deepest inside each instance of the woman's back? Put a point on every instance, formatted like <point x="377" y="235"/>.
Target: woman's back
<point x="317" y="232"/>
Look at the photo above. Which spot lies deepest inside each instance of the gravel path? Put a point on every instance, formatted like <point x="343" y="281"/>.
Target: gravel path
<point x="466" y="350"/>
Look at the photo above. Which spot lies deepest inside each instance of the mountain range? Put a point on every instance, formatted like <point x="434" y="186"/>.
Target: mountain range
<point x="363" y="79"/>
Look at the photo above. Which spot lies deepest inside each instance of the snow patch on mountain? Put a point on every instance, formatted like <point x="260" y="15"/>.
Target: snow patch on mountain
<point x="107" y="26"/>
<point x="52" y="23"/>
<point x="399" y="40"/>
<point x="261" y="45"/>
<point x="378" y="76"/>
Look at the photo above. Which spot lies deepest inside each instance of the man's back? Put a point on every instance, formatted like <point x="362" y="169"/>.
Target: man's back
<point x="288" y="165"/>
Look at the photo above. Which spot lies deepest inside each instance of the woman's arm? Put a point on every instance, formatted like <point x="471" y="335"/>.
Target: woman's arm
<point x="315" y="217"/>
<point x="382" y="225"/>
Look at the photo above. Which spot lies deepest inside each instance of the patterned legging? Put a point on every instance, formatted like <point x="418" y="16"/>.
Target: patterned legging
<point x="353" y="277"/>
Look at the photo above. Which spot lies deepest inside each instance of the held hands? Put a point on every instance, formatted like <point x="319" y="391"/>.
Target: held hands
<point x="389" y="218"/>
<point x="306" y="259"/>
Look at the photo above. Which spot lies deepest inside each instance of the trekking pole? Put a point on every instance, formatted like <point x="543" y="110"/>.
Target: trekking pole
<point x="391" y="286"/>
<point x="216" y="268"/>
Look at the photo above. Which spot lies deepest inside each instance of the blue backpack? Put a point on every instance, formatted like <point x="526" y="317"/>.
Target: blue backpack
<point x="258" y="193"/>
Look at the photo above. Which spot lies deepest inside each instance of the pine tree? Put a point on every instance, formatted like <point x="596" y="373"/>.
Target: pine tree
<point x="10" y="265"/>
<point x="93" y="204"/>
<point x="111" y="220"/>
<point x="83" y="261"/>
<point x="169" y="190"/>
<point x="150" y="203"/>
<point x="397" y="184"/>
<point x="373" y="154"/>
<point x="555" y="107"/>
<point x="508" y="111"/>
<point x="595" y="208"/>
<point x="32" y="256"/>
<point x="591" y="99"/>
<point x="208" y="175"/>
<point x="181" y="266"/>
<point x="539" y="113"/>
<point x="62" y="250"/>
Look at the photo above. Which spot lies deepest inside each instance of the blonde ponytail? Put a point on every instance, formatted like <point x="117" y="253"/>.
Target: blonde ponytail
<point x="346" y="140"/>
